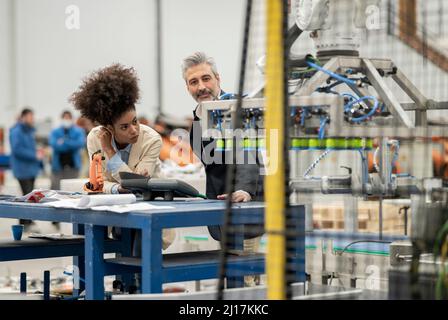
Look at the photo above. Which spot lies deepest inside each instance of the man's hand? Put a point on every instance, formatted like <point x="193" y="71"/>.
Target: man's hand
<point x="237" y="196"/>
<point x="105" y="137"/>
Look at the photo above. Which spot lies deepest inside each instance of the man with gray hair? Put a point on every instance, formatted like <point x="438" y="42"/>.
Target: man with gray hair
<point x="204" y="84"/>
<point x="202" y="78"/>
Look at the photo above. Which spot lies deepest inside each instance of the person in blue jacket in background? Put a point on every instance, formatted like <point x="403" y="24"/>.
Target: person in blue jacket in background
<point x="66" y="141"/>
<point x="26" y="161"/>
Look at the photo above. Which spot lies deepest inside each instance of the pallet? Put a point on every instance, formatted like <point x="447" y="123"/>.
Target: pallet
<point x="363" y="226"/>
<point x="331" y="217"/>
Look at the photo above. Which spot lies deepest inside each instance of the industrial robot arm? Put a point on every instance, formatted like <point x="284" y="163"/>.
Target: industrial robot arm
<point x="336" y="25"/>
<point x="96" y="180"/>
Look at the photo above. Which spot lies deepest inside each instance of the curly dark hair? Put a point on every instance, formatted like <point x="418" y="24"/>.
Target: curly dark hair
<point x="106" y="94"/>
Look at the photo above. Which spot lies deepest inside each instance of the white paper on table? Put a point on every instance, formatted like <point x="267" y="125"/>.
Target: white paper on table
<point x="139" y="206"/>
<point x="106" y="200"/>
<point x="66" y="203"/>
<point x="114" y="203"/>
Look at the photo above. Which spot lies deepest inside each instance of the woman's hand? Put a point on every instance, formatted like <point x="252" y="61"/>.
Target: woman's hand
<point x="105" y="136"/>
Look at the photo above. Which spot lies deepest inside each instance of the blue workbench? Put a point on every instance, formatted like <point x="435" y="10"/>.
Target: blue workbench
<point x="151" y="265"/>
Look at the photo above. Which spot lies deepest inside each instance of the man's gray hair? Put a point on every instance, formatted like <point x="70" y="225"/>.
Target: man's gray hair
<point x="198" y="58"/>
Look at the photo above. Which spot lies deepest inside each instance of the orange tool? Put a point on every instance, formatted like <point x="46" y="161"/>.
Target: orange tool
<point x="96" y="181"/>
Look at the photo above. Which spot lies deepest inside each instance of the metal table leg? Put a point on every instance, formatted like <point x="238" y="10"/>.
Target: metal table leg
<point x="79" y="263"/>
<point x="151" y="260"/>
<point x="94" y="262"/>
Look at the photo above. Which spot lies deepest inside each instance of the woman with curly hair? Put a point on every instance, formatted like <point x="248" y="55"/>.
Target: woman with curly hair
<point x="108" y="97"/>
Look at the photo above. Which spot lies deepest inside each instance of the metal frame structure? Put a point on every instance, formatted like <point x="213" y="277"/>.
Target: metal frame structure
<point x="338" y="127"/>
<point x="398" y="125"/>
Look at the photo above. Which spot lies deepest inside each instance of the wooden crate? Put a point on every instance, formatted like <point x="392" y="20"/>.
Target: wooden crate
<point x="331" y="217"/>
<point x="336" y="225"/>
<point x="333" y="225"/>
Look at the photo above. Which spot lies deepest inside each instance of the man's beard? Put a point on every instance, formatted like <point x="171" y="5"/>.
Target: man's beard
<point x="205" y="91"/>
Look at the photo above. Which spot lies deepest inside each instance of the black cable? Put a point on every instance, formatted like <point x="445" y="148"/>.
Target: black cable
<point x="289" y="221"/>
<point x="159" y="57"/>
<point x="362" y="241"/>
<point x="389" y="17"/>
<point x="414" y="271"/>
<point x="232" y="168"/>
<point x="292" y="35"/>
<point x="299" y="62"/>
<point x="441" y="15"/>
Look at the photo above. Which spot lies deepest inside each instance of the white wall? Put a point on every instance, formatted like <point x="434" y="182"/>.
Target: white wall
<point x="7" y="65"/>
<point x="212" y="26"/>
<point x="52" y="60"/>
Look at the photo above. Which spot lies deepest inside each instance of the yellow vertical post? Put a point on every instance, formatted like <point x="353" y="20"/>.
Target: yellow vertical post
<point x="274" y="182"/>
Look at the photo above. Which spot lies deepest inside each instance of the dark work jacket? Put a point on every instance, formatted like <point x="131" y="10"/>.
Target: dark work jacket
<point x="248" y="176"/>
